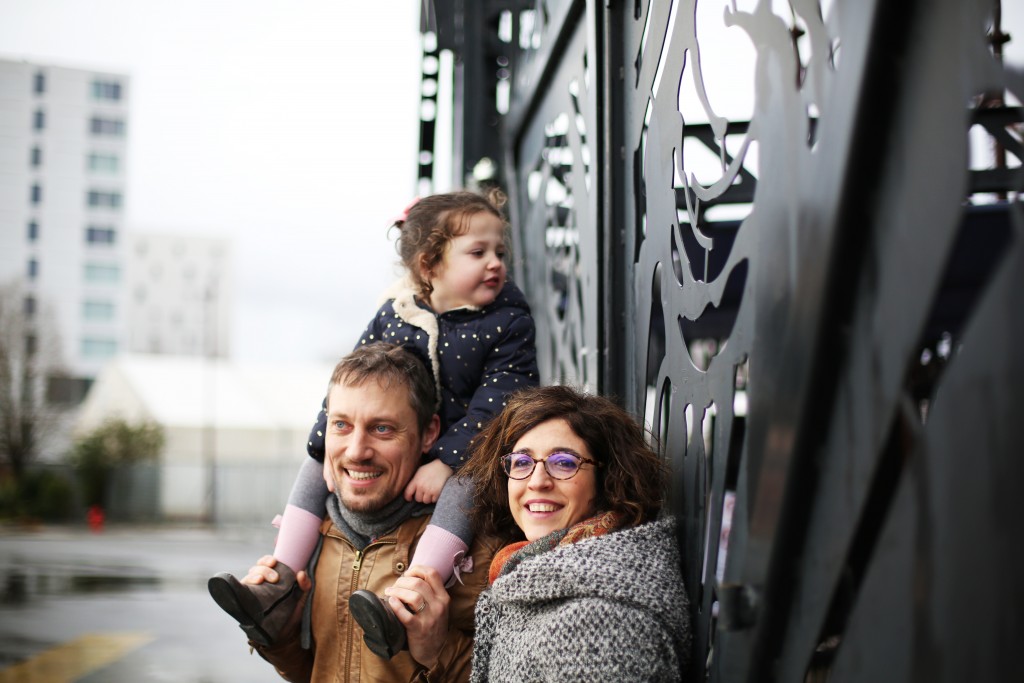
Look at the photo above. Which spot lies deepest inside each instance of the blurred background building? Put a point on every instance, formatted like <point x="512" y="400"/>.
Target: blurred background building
<point x="234" y="433"/>
<point x="179" y="294"/>
<point x="63" y="147"/>
<point x="129" y="325"/>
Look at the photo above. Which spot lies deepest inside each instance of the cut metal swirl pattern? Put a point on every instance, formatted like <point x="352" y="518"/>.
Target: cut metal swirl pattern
<point x="763" y="227"/>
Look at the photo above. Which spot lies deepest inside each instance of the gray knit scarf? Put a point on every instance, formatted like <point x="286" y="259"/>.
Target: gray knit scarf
<point x="362" y="527"/>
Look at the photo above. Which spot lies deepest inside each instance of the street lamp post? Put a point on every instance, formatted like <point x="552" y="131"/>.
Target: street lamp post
<point x="209" y="354"/>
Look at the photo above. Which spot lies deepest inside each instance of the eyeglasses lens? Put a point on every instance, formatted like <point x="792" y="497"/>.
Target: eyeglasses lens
<point x="558" y="465"/>
<point x="518" y="465"/>
<point x="561" y="465"/>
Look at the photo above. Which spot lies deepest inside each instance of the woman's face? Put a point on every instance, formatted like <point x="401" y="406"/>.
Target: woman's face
<point x="541" y="504"/>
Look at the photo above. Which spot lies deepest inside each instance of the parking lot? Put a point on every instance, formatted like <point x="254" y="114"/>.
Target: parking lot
<point x="123" y="605"/>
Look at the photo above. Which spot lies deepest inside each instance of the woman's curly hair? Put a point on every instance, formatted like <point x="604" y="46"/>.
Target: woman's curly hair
<point x="431" y="223"/>
<point x="631" y="478"/>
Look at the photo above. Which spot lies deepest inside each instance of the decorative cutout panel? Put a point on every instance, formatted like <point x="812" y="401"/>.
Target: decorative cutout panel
<point x="789" y="236"/>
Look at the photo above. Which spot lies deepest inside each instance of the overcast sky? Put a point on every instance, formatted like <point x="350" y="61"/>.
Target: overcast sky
<point x="289" y="127"/>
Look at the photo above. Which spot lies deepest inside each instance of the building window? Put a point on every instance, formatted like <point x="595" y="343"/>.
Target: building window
<point x="104" y="163"/>
<point x="33" y="231"/>
<point x="102" y="272"/>
<point x="39" y="119"/>
<point x="93" y="347"/>
<point x="106" y="90"/>
<point x="97" y="310"/>
<point x="95" y="235"/>
<point x="36" y="193"/>
<point x="108" y="199"/>
<point x="33" y="269"/>
<point x="31" y="344"/>
<point x="101" y="126"/>
<point x="68" y="391"/>
<point x="30" y="306"/>
<point x="36" y="157"/>
<point x="39" y="83"/>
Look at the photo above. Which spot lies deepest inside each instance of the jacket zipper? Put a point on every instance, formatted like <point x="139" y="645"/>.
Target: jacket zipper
<point x="356" y="568"/>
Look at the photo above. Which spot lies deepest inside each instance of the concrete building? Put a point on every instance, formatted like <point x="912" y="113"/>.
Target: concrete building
<point x="235" y="433"/>
<point x="63" y="148"/>
<point x="179" y="294"/>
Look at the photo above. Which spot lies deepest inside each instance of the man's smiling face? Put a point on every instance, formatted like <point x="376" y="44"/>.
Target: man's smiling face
<point x="373" y="443"/>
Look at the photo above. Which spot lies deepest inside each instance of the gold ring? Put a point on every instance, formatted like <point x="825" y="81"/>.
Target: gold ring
<point x="423" y="606"/>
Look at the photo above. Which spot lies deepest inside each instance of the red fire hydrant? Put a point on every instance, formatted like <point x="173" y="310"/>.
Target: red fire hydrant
<point x="95" y="518"/>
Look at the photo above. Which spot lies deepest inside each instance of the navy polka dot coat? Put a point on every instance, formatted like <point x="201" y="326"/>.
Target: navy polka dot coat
<point x="478" y="357"/>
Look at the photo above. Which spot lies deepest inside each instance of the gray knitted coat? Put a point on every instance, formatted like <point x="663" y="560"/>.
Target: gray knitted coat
<point x="610" y="608"/>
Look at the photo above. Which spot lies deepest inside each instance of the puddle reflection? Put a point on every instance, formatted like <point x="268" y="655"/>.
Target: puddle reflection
<point x="21" y="586"/>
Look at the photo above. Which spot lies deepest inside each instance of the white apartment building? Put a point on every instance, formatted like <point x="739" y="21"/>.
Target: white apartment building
<point x="179" y="294"/>
<point x="63" y="148"/>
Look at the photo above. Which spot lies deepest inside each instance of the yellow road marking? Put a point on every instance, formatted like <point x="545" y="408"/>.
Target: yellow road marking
<point x="68" y="662"/>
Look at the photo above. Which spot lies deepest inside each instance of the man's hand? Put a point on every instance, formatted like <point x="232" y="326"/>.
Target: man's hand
<point x="263" y="570"/>
<point x="420" y="602"/>
<point x="425" y="486"/>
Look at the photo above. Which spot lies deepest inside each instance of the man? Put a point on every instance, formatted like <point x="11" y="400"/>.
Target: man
<point x="380" y="421"/>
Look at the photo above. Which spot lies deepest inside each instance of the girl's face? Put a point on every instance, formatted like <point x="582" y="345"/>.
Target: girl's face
<point x="540" y="503"/>
<point x="472" y="271"/>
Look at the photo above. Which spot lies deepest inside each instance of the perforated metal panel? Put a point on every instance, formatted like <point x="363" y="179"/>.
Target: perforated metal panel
<point x="778" y="232"/>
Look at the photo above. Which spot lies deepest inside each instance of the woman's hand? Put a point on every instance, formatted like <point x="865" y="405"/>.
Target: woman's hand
<point x="420" y="602"/>
<point x="425" y="486"/>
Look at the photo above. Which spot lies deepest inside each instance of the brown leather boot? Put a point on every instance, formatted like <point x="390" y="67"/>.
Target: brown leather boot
<point x="261" y="610"/>
<point x="383" y="633"/>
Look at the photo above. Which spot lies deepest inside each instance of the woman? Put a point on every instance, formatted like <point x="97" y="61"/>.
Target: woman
<point x="589" y="586"/>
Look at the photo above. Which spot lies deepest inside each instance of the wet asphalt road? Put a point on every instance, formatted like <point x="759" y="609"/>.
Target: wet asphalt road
<point x="141" y="585"/>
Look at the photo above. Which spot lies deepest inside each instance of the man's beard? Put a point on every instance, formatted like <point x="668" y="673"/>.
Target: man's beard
<point x="371" y="503"/>
<point x="357" y="503"/>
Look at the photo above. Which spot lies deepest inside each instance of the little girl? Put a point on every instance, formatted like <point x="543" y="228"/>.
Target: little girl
<point x="456" y="309"/>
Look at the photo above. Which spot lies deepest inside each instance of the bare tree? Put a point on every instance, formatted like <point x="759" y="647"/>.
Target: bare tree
<point x="29" y="354"/>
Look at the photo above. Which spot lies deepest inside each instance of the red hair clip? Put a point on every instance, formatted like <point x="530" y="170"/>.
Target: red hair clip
<point x="404" y="216"/>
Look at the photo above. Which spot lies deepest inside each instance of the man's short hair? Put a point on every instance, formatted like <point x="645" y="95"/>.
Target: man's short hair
<point x="393" y="367"/>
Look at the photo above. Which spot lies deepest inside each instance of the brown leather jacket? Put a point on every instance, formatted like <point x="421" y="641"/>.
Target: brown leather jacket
<point x="338" y="652"/>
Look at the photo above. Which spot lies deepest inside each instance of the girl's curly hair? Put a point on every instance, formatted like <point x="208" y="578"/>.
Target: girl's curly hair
<point x="432" y="222"/>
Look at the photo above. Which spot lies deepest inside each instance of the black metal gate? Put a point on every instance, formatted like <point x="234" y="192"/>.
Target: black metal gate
<point x="789" y="235"/>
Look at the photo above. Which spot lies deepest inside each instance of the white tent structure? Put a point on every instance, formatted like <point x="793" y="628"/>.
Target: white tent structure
<point x="235" y="434"/>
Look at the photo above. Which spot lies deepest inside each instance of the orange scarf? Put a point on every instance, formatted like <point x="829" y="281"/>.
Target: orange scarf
<point x="509" y="557"/>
